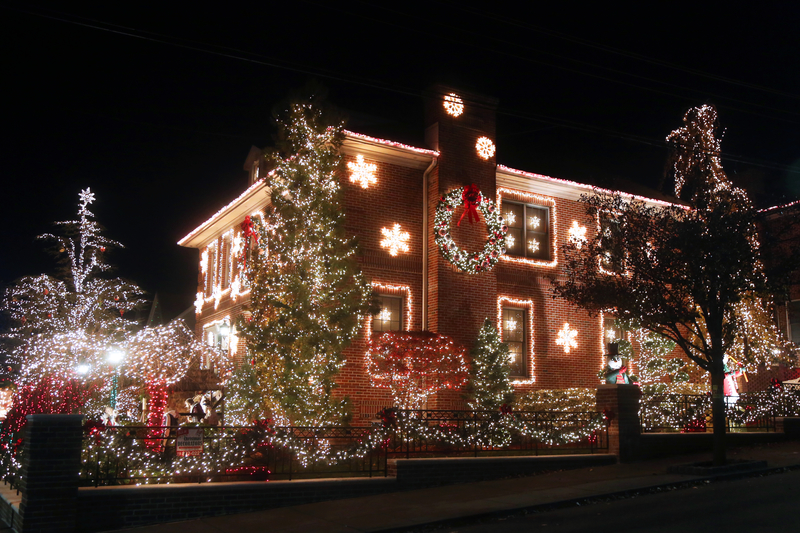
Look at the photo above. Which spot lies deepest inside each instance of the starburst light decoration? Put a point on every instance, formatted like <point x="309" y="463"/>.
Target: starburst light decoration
<point x="567" y="337"/>
<point x="533" y="245"/>
<point x="577" y="234"/>
<point x="485" y="147"/>
<point x="395" y="240"/>
<point x="511" y="217"/>
<point x="362" y="172"/>
<point x="453" y="105"/>
<point x="385" y="315"/>
<point x="510" y="241"/>
<point x="534" y="222"/>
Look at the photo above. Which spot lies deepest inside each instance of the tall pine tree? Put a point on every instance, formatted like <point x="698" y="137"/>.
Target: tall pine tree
<point x="489" y="386"/>
<point x="308" y="296"/>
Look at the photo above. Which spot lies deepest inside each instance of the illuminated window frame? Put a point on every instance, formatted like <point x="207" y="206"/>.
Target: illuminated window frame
<point x="402" y="291"/>
<point x="600" y="259"/>
<point x="527" y="305"/>
<point x="514" y="195"/>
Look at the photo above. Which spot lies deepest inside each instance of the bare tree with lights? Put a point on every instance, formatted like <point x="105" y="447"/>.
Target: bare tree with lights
<point x="308" y="296"/>
<point x="691" y="274"/>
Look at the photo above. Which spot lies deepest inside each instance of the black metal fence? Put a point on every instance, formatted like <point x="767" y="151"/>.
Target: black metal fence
<point x="139" y="455"/>
<point x="688" y="413"/>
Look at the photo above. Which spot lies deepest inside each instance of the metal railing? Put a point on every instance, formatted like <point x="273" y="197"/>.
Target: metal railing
<point x="689" y="413"/>
<point x="138" y="455"/>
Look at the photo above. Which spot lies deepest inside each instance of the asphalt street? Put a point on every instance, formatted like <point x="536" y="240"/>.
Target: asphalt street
<point x="768" y="503"/>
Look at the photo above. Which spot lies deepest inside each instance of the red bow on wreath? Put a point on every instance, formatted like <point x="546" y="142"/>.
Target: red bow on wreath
<point x="471" y="198"/>
<point x="247" y="229"/>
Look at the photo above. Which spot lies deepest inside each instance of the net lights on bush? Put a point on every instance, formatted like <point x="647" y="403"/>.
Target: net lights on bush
<point x="395" y="240"/>
<point x="453" y="105"/>
<point x="362" y="172"/>
<point x="415" y="365"/>
<point x="485" y="147"/>
<point x="471" y="263"/>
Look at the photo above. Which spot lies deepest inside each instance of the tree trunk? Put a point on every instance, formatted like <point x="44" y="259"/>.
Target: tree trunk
<point x="718" y="413"/>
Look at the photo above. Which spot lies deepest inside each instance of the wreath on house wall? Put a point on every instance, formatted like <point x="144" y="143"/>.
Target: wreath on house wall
<point x="474" y="202"/>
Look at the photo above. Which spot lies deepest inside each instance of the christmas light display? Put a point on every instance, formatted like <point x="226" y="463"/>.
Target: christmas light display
<point x="362" y="173"/>
<point x="485" y="147"/>
<point x="402" y="290"/>
<point x="471" y="263"/>
<point x="567" y="338"/>
<point x="67" y="335"/>
<point x="453" y="104"/>
<point x="308" y="297"/>
<point x="489" y="386"/>
<point x="577" y="234"/>
<point x="395" y="240"/>
<point x="536" y="199"/>
<point x="415" y="365"/>
<point x="503" y="301"/>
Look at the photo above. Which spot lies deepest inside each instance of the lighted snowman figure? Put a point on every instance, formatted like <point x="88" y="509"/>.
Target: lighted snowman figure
<point x="616" y="372"/>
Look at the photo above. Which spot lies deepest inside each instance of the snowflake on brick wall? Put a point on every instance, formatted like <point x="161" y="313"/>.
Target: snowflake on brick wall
<point x="362" y="172"/>
<point x="485" y="147"/>
<point x="577" y="234"/>
<point x="567" y="337"/>
<point x="395" y="240"/>
<point x="453" y="104"/>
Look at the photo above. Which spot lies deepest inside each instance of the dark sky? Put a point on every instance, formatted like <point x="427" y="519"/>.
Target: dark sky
<point x="156" y="109"/>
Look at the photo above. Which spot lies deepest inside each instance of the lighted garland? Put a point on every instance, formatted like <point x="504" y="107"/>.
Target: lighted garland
<point x="471" y="263"/>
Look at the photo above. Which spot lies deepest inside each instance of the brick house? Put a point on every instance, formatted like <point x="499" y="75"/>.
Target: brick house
<point x="419" y="288"/>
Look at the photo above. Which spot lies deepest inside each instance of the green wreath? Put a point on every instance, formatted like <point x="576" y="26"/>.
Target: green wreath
<point x="471" y="263"/>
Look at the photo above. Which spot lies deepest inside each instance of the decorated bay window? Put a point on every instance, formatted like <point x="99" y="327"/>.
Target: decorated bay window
<point x="528" y="230"/>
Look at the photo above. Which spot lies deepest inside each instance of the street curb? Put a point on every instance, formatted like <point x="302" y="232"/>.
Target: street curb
<point x="589" y="500"/>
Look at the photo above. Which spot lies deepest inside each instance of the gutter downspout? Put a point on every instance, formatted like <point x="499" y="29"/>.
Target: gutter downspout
<point x="425" y="234"/>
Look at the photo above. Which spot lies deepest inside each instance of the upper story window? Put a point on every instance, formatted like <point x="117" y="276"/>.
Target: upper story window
<point x="613" y="259"/>
<point x="528" y="230"/>
<point x="390" y="316"/>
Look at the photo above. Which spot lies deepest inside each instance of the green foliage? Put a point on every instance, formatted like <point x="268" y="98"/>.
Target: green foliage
<point x="243" y="399"/>
<point x="489" y="386"/>
<point x="308" y="296"/>
<point x="652" y="360"/>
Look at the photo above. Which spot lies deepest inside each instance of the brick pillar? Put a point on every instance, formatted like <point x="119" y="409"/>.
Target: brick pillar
<point x="459" y="302"/>
<point x="50" y="465"/>
<point x="621" y="403"/>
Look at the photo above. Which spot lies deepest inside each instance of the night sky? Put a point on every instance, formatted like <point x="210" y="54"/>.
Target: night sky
<point x="156" y="110"/>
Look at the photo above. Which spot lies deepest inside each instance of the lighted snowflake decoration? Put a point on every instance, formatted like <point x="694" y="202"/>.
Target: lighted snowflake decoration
<point x="453" y="104"/>
<point x="534" y="222"/>
<point x="510" y="241"/>
<point x="236" y="288"/>
<point x="362" y="172"/>
<point x="198" y="303"/>
<point x="204" y="261"/>
<point x="577" y="234"/>
<point x="511" y="217"/>
<point x="511" y="325"/>
<point x="533" y="245"/>
<point x="485" y="147"/>
<point x="395" y="240"/>
<point x="86" y="197"/>
<point x="385" y="315"/>
<point x="567" y="337"/>
<point x="611" y="335"/>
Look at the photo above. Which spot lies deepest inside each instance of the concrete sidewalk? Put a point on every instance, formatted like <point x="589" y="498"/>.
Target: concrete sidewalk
<point x="402" y="511"/>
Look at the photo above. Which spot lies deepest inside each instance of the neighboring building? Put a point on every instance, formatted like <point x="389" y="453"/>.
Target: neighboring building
<point x="390" y="187"/>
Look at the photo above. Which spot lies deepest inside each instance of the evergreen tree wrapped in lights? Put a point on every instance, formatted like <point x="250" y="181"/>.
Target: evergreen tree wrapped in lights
<point x="308" y="296"/>
<point x="489" y="387"/>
